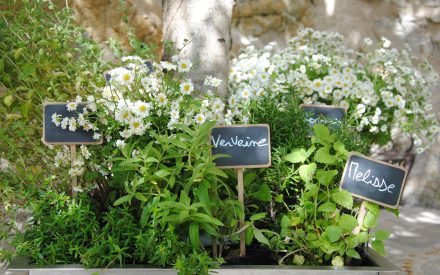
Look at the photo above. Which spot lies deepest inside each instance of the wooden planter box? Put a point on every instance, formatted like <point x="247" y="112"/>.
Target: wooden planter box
<point x="379" y="265"/>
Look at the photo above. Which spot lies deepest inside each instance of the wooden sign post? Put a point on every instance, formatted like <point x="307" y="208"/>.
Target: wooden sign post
<point x="248" y="146"/>
<point x="372" y="180"/>
<point x="324" y="114"/>
<point x="54" y="135"/>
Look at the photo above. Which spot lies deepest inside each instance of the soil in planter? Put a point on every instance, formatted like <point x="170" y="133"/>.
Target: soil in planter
<point x="261" y="255"/>
<point x="255" y="255"/>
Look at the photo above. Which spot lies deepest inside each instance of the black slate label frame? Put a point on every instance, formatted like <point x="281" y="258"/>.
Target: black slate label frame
<point x="269" y="150"/>
<point x="343" y="184"/>
<point x="53" y="127"/>
<point x="322" y="106"/>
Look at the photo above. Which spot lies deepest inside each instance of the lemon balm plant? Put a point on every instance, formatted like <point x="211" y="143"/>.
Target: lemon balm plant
<point x="382" y="87"/>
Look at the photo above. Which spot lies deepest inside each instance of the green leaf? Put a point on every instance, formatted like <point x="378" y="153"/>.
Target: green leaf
<point x="353" y="253"/>
<point x="263" y="193"/>
<point x="343" y="198"/>
<point x="8" y="100"/>
<point x="162" y="173"/>
<point x="249" y="235"/>
<point x="327" y="207"/>
<point x="370" y="220"/>
<point x="325" y="177"/>
<point x="348" y="222"/>
<point x="260" y="237"/>
<point x="340" y="149"/>
<point x="123" y="199"/>
<point x="381" y="235"/>
<point x="321" y="131"/>
<point x="140" y="197"/>
<point x="216" y="171"/>
<point x="333" y="233"/>
<point x="307" y="171"/>
<point x="258" y="216"/>
<point x="194" y="234"/>
<point x="298" y="155"/>
<point x="373" y="208"/>
<point x="378" y="246"/>
<point x="151" y="159"/>
<point x="310" y="151"/>
<point x="362" y="237"/>
<point x="285" y="221"/>
<point x="323" y="156"/>
<point x="205" y="218"/>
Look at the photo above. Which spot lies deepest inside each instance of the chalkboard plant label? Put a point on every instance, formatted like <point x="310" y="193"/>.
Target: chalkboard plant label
<point x="329" y="115"/>
<point x="373" y="180"/>
<point x="248" y="146"/>
<point x="53" y="134"/>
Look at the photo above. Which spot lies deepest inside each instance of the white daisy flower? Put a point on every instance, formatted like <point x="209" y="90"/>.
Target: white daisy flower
<point x="64" y="123"/>
<point x="124" y="76"/>
<point x="96" y="135"/>
<point x="186" y="87"/>
<point x="142" y="109"/>
<point x="85" y="152"/>
<point x="174" y="114"/>
<point x="120" y="144"/>
<point x="123" y="114"/>
<point x="56" y="119"/>
<point x="71" y="106"/>
<point x="137" y="126"/>
<point x="162" y="99"/>
<point x="200" y="118"/>
<point x="184" y="65"/>
<point x="72" y="124"/>
<point x="168" y="66"/>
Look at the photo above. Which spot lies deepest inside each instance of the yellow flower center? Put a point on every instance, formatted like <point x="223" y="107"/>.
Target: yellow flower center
<point x="125" y="115"/>
<point x="136" y="124"/>
<point x="186" y="87"/>
<point x="126" y="77"/>
<point x="200" y="119"/>
<point x="183" y="66"/>
<point x="142" y="108"/>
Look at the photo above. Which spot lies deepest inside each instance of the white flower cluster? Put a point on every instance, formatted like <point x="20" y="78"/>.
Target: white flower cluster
<point x="380" y="87"/>
<point x="140" y="97"/>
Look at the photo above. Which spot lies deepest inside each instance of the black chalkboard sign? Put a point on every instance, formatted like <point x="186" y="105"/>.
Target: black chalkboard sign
<point x="53" y="134"/>
<point x="248" y="146"/>
<point x="373" y="180"/>
<point x="324" y="114"/>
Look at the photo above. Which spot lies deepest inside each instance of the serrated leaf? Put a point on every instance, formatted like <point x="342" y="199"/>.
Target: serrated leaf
<point x="260" y="237"/>
<point x="379" y="247"/>
<point x="258" y="216"/>
<point x="362" y="237"/>
<point x="348" y="222"/>
<point x="285" y="221"/>
<point x="370" y="220"/>
<point x="353" y="253"/>
<point x="307" y="171"/>
<point x="297" y="156"/>
<point x="327" y="207"/>
<point x="373" y="208"/>
<point x="340" y="149"/>
<point x="321" y="131"/>
<point x="343" y="198"/>
<point x="263" y="193"/>
<point x="249" y="235"/>
<point x="381" y="235"/>
<point x="323" y="156"/>
<point x="333" y="233"/>
<point x="325" y="177"/>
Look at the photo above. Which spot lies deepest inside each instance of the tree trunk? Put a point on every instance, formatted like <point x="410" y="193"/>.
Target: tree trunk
<point x="203" y="29"/>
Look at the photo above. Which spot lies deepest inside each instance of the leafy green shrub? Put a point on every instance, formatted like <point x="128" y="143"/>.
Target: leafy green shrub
<point x="61" y="229"/>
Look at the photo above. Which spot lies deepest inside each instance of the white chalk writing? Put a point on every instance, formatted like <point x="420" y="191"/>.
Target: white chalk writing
<point x="238" y="142"/>
<point x="355" y="174"/>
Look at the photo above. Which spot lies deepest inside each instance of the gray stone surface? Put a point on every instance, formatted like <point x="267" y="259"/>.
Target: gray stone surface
<point x="414" y="245"/>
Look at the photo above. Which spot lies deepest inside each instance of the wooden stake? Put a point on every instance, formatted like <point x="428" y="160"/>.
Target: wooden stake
<point x="240" y="189"/>
<point x="73" y="158"/>
<point x="361" y="217"/>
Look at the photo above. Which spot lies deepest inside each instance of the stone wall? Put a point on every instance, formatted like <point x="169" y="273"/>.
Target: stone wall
<point x="416" y="22"/>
